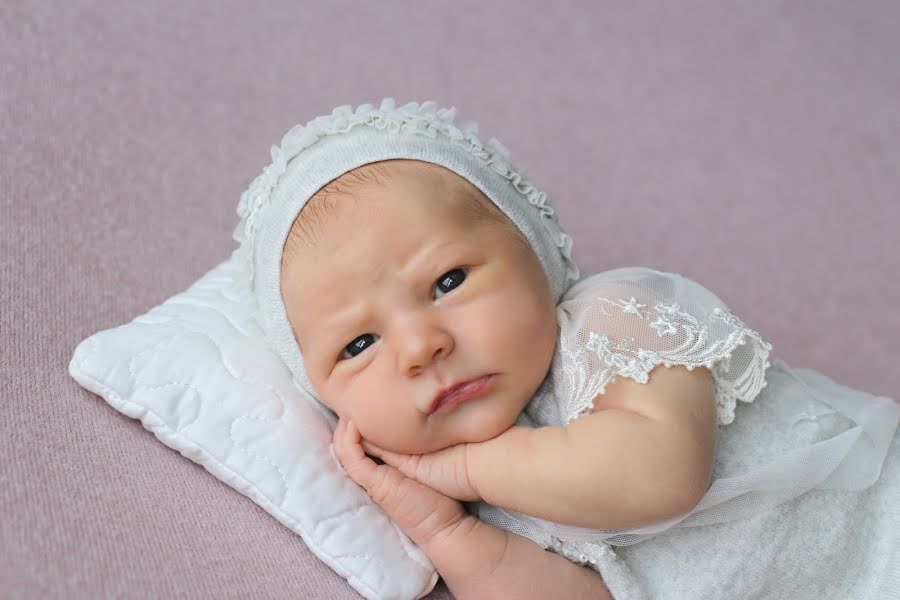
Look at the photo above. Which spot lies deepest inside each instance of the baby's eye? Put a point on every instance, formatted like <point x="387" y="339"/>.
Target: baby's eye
<point x="447" y="283"/>
<point x="451" y="280"/>
<point x="355" y="347"/>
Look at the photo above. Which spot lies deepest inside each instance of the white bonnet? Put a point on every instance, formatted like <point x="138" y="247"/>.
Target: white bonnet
<point x="313" y="155"/>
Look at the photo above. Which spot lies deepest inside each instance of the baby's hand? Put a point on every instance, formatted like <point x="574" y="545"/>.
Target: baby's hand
<point x="444" y="470"/>
<point x="423" y="513"/>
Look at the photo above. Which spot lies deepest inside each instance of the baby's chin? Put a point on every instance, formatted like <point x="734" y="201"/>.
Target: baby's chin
<point x="487" y="431"/>
<point x="443" y="443"/>
<point x="476" y="427"/>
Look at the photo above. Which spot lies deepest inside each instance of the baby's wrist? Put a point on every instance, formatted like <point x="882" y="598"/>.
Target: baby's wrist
<point x="471" y="456"/>
<point x="468" y="554"/>
<point x="481" y="460"/>
<point x="452" y="537"/>
<point x="491" y="465"/>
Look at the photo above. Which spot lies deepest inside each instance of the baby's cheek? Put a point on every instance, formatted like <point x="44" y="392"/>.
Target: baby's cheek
<point x="390" y="439"/>
<point x="529" y="334"/>
<point x="324" y="392"/>
<point x="387" y="424"/>
<point x="529" y="323"/>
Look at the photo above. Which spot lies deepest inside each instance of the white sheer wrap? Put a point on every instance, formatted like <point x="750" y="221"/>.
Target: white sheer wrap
<point x="803" y="432"/>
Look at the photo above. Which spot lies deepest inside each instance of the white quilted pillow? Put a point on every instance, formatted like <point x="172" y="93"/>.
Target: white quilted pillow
<point x="196" y="372"/>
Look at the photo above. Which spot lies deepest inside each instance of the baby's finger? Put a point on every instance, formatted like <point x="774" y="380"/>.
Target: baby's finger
<point x="371" y="449"/>
<point x="356" y="464"/>
<point x="407" y="464"/>
<point x="385" y="484"/>
<point x="338" y="431"/>
<point x="346" y="448"/>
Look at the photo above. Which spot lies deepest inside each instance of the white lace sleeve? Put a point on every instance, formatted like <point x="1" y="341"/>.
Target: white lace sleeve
<point x="627" y="321"/>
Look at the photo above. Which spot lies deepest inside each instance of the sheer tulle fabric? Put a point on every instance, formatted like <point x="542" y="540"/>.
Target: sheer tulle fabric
<point x="801" y="432"/>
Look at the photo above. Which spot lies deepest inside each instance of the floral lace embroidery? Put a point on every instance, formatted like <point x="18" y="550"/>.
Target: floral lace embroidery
<point x="582" y="553"/>
<point x="622" y="359"/>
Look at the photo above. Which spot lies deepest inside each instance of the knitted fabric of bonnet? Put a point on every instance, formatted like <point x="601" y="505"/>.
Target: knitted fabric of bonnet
<point x="312" y="155"/>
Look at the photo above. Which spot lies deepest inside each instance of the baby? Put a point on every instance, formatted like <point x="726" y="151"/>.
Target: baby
<point x="426" y="323"/>
<point x="440" y="325"/>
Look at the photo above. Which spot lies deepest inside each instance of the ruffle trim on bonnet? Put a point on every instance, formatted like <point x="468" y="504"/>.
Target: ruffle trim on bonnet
<point x="412" y="118"/>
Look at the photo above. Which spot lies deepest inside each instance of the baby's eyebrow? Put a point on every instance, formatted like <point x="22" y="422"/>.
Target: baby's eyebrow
<point x="336" y="323"/>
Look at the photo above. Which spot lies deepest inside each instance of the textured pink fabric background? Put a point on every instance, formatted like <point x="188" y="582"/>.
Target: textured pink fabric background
<point x="752" y="146"/>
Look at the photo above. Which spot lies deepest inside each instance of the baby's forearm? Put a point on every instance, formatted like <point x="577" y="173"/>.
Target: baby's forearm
<point x="483" y="562"/>
<point x="617" y="470"/>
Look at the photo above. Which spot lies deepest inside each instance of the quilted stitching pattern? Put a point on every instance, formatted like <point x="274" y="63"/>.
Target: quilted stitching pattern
<point x="196" y="372"/>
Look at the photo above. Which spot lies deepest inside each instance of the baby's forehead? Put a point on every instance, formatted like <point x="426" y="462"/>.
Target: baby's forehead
<point x="429" y="180"/>
<point x="348" y="196"/>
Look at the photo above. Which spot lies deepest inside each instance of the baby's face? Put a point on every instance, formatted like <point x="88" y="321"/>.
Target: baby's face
<point x="405" y="293"/>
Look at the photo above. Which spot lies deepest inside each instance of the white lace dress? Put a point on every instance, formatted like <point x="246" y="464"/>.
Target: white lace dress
<point x="805" y="496"/>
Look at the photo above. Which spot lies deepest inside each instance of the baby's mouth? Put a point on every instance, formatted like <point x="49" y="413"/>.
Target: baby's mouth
<point x="447" y="399"/>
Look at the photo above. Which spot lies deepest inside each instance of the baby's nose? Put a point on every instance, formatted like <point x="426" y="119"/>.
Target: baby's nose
<point x="421" y="345"/>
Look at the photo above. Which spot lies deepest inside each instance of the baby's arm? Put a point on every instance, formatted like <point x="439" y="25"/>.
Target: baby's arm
<point x="645" y="454"/>
<point x="476" y="560"/>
